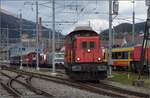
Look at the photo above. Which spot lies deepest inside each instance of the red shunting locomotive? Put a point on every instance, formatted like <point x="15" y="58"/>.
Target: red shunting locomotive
<point x="83" y="55"/>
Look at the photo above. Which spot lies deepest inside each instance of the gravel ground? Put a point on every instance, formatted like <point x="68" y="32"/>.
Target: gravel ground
<point x="128" y="87"/>
<point x="63" y="91"/>
<point x="17" y="86"/>
<point x="60" y="90"/>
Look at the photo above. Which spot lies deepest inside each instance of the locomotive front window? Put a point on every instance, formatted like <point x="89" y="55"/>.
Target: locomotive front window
<point x="88" y="45"/>
<point x="84" y="45"/>
<point x="92" y="45"/>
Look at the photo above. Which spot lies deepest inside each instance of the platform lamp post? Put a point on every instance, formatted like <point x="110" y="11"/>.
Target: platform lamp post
<point x="53" y="38"/>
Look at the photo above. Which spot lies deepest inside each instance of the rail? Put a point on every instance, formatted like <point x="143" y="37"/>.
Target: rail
<point x="28" y="86"/>
<point x="100" y="90"/>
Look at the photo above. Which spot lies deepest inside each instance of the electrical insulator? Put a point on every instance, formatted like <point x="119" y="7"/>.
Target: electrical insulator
<point x="115" y="7"/>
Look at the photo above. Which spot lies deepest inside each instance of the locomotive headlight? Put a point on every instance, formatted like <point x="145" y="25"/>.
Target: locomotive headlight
<point x="88" y="50"/>
<point x="78" y="59"/>
<point x="101" y="68"/>
<point x="99" y="58"/>
<point x="76" y="68"/>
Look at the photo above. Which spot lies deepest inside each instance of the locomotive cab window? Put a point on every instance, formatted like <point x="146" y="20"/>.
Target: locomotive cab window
<point x="88" y="45"/>
<point x="92" y="45"/>
<point x="84" y="45"/>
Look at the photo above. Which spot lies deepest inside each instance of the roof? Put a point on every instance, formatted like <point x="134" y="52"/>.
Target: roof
<point x="83" y="30"/>
<point x="122" y="49"/>
<point x="7" y="12"/>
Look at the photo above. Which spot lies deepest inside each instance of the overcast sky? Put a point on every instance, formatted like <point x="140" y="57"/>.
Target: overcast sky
<point x="77" y="12"/>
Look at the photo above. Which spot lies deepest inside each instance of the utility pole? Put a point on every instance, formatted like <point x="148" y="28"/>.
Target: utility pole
<point x="145" y="42"/>
<point x="7" y="45"/>
<point x="143" y="62"/>
<point x="21" y="45"/>
<point x="114" y="12"/>
<point x="37" y="38"/>
<point x="0" y="26"/>
<point x="37" y="35"/>
<point x="133" y="24"/>
<point x="110" y="38"/>
<point x="53" y="38"/>
<point x="113" y="36"/>
<point x="148" y="31"/>
<point x="89" y="23"/>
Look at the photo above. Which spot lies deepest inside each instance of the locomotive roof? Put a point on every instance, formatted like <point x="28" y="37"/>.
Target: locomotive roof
<point x="83" y="30"/>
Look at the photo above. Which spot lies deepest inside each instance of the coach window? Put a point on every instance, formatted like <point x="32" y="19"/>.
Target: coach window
<point x="114" y="56"/>
<point x="124" y="55"/>
<point x="19" y="49"/>
<point x="119" y="55"/>
<point x="23" y="49"/>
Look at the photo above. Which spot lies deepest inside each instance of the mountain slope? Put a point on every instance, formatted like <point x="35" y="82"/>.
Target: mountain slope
<point x="121" y="29"/>
<point x="11" y="22"/>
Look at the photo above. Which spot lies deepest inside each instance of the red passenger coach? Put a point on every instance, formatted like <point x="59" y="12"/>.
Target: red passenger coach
<point x="83" y="55"/>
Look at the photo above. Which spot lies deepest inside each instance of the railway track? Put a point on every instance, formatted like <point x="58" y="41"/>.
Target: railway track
<point x="27" y="85"/>
<point x="10" y="90"/>
<point x="95" y="88"/>
<point x="119" y="90"/>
